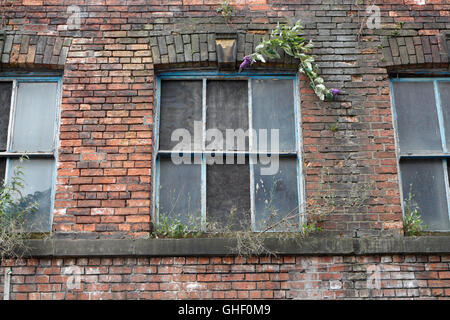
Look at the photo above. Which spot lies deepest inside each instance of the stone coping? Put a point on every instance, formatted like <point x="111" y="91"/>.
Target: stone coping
<point x="223" y="247"/>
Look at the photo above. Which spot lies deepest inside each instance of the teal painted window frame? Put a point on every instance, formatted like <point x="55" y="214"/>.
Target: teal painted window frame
<point x="213" y="75"/>
<point x="444" y="156"/>
<point x="34" y="77"/>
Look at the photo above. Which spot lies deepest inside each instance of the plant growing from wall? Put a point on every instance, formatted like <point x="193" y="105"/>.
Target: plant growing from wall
<point x="289" y="39"/>
<point x="13" y="210"/>
<point x="412" y="221"/>
<point x="225" y="10"/>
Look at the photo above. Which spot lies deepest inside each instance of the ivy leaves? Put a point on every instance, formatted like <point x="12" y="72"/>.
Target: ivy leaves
<point x="289" y="39"/>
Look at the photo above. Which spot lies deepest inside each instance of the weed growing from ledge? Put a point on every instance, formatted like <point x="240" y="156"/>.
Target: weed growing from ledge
<point x="13" y="210"/>
<point x="412" y="222"/>
<point x="273" y="225"/>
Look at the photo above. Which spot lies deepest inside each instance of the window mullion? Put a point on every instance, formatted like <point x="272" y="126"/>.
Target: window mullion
<point x="440" y="116"/>
<point x="298" y="138"/>
<point x="203" y="164"/>
<point x="251" y="157"/>
<point x="447" y="184"/>
<point x="155" y="157"/>
<point x="11" y="115"/>
<point x="443" y="140"/>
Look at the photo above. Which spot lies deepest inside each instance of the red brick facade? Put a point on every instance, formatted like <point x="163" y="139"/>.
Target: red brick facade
<point x="104" y="165"/>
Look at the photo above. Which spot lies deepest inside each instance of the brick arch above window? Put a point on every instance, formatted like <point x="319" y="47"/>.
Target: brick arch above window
<point x="30" y="50"/>
<point x="414" y="50"/>
<point x="198" y="49"/>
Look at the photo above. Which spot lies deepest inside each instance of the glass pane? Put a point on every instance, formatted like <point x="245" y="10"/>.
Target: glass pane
<point x="228" y="195"/>
<point x="38" y="181"/>
<point x="5" y="105"/>
<point x="35" y="116"/>
<point x="276" y="197"/>
<point x="444" y="93"/>
<point x="418" y="127"/>
<point x="180" y="192"/>
<point x="227" y="111"/>
<point x="181" y="105"/>
<point x="274" y="108"/>
<point x="2" y="169"/>
<point x="425" y="180"/>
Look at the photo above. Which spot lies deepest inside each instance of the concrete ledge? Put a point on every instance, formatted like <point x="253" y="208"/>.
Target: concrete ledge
<point x="220" y="247"/>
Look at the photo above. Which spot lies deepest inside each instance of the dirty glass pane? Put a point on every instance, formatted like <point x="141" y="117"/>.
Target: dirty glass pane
<point x="181" y="105"/>
<point x="444" y="93"/>
<point x="35" y="116"/>
<point x="227" y="108"/>
<point x="38" y="181"/>
<point x="180" y="192"/>
<point x="276" y="196"/>
<point x="274" y="108"/>
<point x="418" y="127"/>
<point x="5" y="105"/>
<point x="2" y="169"/>
<point x="228" y="195"/>
<point x="424" y="179"/>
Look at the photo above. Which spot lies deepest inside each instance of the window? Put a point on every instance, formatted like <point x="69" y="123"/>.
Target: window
<point x="227" y="150"/>
<point x="28" y="125"/>
<point x="422" y="112"/>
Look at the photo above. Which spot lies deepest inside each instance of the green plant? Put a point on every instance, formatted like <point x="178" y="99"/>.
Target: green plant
<point x="225" y="9"/>
<point x="289" y="39"/>
<point x="170" y="227"/>
<point x="334" y="128"/>
<point x="395" y="33"/>
<point x="412" y="221"/>
<point x="14" y="208"/>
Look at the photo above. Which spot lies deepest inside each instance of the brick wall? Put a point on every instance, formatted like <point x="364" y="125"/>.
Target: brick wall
<point x="284" y="277"/>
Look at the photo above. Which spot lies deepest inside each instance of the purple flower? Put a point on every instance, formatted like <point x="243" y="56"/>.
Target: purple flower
<point x="245" y="63"/>
<point x="335" y="92"/>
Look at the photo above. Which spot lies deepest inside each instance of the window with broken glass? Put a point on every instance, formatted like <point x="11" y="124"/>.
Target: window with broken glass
<point x="241" y="161"/>
<point x="28" y="125"/>
<point x="422" y="118"/>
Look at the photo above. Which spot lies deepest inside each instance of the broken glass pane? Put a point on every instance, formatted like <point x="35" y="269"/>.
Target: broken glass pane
<point x="424" y="179"/>
<point x="180" y="192"/>
<point x="38" y="181"/>
<point x="227" y="113"/>
<point x="444" y="93"/>
<point x="181" y="105"/>
<point x="228" y="195"/>
<point x="35" y="117"/>
<point x="274" y="108"/>
<point x="5" y="106"/>
<point x="418" y="127"/>
<point x="276" y="197"/>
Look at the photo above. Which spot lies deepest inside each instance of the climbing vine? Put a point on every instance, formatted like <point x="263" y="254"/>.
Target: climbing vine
<point x="290" y="40"/>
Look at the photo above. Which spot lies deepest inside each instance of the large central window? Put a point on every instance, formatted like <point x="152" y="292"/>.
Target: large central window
<point x="227" y="151"/>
